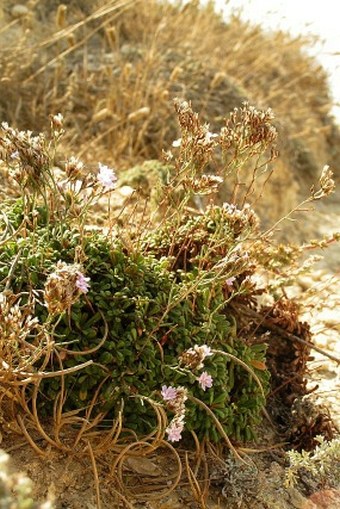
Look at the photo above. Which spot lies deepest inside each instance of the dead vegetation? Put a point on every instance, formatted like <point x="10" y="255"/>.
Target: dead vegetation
<point x="113" y="69"/>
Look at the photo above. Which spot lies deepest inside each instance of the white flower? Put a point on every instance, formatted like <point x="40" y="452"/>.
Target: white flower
<point x="205" y="350"/>
<point x="67" y="186"/>
<point x="207" y="139"/>
<point x="15" y="155"/>
<point x="106" y="177"/>
<point x="177" y="143"/>
<point x="58" y="119"/>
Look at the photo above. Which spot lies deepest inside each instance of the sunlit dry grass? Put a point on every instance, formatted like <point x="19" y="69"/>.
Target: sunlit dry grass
<point x="113" y="68"/>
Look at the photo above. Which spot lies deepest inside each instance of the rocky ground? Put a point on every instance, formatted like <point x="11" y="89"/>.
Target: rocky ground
<point x="320" y="294"/>
<point x="325" y="324"/>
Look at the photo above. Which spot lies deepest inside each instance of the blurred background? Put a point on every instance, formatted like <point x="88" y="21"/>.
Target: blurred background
<point x="317" y="20"/>
<point x="113" y="68"/>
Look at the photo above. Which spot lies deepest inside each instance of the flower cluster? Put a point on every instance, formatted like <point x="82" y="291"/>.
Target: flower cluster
<point x="82" y="283"/>
<point x="327" y="184"/>
<point x="175" y="398"/>
<point x="57" y="122"/>
<point x="194" y="357"/>
<point x="74" y="168"/>
<point x="64" y="286"/>
<point x="175" y="428"/>
<point x="196" y="137"/>
<point x="248" y="129"/>
<point x="243" y="219"/>
<point x="206" y="184"/>
<point x="106" y="177"/>
<point x="26" y="155"/>
<point x="16" y="324"/>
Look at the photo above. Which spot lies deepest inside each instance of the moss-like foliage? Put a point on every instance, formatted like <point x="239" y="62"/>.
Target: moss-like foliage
<point x="150" y="315"/>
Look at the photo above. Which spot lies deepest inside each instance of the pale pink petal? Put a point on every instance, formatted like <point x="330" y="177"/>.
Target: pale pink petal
<point x="169" y="393"/>
<point x="175" y="429"/>
<point x="82" y="283"/>
<point x="106" y="177"/>
<point x="205" y="381"/>
<point x="230" y="281"/>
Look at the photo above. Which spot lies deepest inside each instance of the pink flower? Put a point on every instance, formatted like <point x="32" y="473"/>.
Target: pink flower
<point x="82" y="283"/>
<point x="175" y="429"/>
<point x="205" y="381"/>
<point x="169" y="393"/>
<point x="230" y="281"/>
<point x="106" y="177"/>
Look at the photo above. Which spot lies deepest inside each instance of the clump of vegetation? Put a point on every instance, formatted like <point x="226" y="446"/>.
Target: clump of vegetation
<point x="323" y="463"/>
<point x="155" y="325"/>
<point x="15" y="489"/>
<point x="145" y="323"/>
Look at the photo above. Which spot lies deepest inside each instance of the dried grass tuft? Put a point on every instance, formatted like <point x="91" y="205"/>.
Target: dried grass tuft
<point x="114" y="67"/>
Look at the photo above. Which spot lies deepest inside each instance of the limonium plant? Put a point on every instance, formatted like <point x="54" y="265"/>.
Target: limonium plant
<point x="146" y="327"/>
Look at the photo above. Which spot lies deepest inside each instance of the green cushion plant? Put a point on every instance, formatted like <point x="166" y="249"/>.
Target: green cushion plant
<point x="135" y="324"/>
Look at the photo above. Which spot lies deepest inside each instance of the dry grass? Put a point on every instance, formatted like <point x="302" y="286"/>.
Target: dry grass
<point x="113" y="68"/>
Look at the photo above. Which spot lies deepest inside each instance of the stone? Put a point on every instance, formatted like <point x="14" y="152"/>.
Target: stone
<point x="326" y="499"/>
<point x="19" y="10"/>
<point x="296" y="499"/>
<point x="330" y="317"/>
<point x="142" y="466"/>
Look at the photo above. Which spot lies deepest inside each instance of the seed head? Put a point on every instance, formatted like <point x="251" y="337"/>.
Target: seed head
<point x="194" y="357"/>
<point x="64" y="286"/>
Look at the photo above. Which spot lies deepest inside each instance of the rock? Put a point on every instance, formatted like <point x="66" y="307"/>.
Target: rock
<point x="296" y="499"/>
<point x="171" y="502"/>
<point x="321" y="340"/>
<point x="142" y="466"/>
<point x="126" y="191"/>
<point x="305" y="282"/>
<point x="19" y="10"/>
<point x="330" y="317"/>
<point x="294" y="292"/>
<point x="326" y="499"/>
